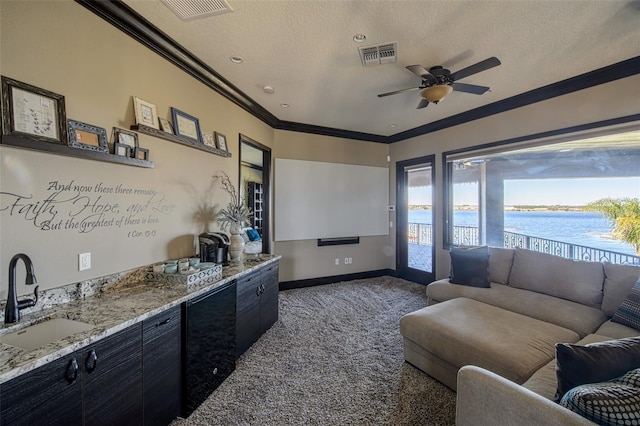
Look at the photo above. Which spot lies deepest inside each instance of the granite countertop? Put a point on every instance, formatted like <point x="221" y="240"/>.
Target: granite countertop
<point x="109" y="312"/>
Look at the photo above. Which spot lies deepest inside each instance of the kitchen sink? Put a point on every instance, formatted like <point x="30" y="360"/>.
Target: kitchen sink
<point x="41" y="334"/>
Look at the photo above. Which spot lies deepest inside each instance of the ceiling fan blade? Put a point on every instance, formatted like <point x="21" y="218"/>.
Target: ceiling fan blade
<point x="470" y="88"/>
<point x="423" y="104"/>
<point x="476" y="68"/>
<point x="395" y="92"/>
<point x="421" y="71"/>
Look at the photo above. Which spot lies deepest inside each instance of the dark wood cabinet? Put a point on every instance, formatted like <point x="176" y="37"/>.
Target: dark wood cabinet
<point x="257" y="306"/>
<point x="161" y="367"/>
<point x="48" y="395"/>
<point x="112" y="379"/>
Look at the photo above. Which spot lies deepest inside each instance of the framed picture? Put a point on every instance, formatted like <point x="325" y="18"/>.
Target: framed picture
<point x="86" y="136"/>
<point x="125" y="137"/>
<point x="32" y="111"/>
<point x="146" y="113"/>
<point x="207" y="139"/>
<point x="186" y="125"/>
<point x="221" y="141"/>
<point x="165" y="126"/>
<point x="141" y="154"/>
<point x="122" y="150"/>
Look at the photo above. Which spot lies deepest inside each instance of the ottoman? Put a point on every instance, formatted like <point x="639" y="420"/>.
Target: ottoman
<point x="442" y="338"/>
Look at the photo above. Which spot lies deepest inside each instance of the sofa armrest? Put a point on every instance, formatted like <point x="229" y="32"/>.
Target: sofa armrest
<point x="484" y="398"/>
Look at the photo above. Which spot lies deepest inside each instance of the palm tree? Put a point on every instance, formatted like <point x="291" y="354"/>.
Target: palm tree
<point x="625" y="215"/>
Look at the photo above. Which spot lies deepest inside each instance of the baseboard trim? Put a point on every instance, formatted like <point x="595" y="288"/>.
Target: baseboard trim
<point x="288" y="285"/>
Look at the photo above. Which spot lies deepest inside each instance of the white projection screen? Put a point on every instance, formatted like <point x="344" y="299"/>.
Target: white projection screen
<point x="329" y="200"/>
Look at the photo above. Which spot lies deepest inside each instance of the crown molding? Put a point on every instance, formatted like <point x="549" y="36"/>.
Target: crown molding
<point x="130" y="22"/>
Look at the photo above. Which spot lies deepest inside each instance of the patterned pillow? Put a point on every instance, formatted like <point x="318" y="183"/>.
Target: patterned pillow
<point x="629" y="312"/>
<point x="616" y="402"/>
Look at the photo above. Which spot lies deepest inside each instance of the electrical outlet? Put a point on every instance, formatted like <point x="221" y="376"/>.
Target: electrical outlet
<point x="84" y="261"/>
<point x="346" y="260"/>
<point x="337" y="261"/>
<point x="350" y="261"/>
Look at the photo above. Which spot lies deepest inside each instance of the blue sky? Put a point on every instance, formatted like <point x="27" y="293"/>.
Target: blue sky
<point x="572" y="192"/>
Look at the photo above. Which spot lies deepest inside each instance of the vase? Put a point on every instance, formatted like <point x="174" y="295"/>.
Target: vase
<point x="236" y="246"/>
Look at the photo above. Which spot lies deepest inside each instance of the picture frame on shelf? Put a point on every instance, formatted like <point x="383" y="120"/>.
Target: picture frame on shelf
<point x="165" y="126"/>
<point x="146" y="113"/>
<point x="186" y="125"/>
<point x="125" y="137"/>
<point x="221" y="141"/>
<point x="141" y="154"/>
<point x="121" y="150"/>
<point x="32" y="111"/>
<point x="87" y="136"/>
<point x="207" y="139"/>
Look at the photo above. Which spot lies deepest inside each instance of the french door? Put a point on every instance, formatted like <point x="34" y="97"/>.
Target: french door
<point x="415" y="219"/>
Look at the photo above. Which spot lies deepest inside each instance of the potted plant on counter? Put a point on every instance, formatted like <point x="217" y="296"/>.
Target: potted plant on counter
<point x="234" y="216"/>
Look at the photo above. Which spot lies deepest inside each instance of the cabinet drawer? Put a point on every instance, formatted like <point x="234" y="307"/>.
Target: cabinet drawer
<point x="158" y="325"/>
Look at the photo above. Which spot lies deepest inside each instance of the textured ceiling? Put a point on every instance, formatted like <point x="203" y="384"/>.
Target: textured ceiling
<point x="305" y="51"/>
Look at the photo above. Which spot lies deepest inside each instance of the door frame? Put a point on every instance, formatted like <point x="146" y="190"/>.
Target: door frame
<point x="402" y="214"/>
<point x="266" y="186"/>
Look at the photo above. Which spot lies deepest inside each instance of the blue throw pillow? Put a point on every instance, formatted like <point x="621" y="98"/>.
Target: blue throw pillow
<point x="253" y="235"/>
<point x="616" y="402"/>
<point x="629" y="312"/>
<point x="470" y="266"/>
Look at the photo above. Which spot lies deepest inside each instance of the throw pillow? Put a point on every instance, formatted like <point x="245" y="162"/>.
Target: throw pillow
<point x="629" y="312"/>
<point x="593" y="363"/>
<point x="470" y="266"/>
<point x="253" y="235"/>
<point x="611" y="403"/>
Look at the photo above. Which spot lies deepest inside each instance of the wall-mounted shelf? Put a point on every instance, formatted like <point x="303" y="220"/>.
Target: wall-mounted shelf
<point x="141" y="128"/>
<point x="56" y="148"/>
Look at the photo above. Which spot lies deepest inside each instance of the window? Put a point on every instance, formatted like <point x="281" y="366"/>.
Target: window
<point x="534" y="195"/>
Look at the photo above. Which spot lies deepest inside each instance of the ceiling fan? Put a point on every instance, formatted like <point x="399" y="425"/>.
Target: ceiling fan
<point x="438" y="82"/>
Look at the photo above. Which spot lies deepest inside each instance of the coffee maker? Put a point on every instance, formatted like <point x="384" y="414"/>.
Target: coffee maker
<point x="214" y="247"/>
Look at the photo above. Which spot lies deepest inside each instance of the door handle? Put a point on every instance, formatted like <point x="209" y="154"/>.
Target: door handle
<point x="72" y="371"/>
<point x="92" y="361"/>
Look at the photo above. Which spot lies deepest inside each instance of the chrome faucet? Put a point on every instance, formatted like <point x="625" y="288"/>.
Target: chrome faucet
<point x="12" y="310"/>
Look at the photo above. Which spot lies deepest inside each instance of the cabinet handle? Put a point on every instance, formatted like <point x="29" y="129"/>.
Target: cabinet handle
<point x="258" y="292"/>
<point x="92" y="361"/>
<point x="165" y="322"/>
<point x="72" y="371"/>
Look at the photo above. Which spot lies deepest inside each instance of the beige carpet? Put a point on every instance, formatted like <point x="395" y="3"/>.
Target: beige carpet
<point x="333" y="358"/>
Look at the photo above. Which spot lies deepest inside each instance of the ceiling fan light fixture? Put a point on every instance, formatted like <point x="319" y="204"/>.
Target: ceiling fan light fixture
<point x="436" y="93"/>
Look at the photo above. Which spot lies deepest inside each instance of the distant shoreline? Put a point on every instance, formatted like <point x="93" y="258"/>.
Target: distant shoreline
<point x="523" y="208"/>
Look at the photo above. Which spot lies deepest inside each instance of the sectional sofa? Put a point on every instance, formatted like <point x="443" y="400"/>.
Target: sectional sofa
<point x="503" y="328"/>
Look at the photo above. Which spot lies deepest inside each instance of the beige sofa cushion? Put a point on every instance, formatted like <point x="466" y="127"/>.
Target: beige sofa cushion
<point x="544" y="381"/>
<point x="617" y="283"/>
<point x="574" y="316"/>
<point x="616" y="330"/>
<point x="464" y="331"/>
<point x="500" y="262"/>
<point x="574" y="280"/>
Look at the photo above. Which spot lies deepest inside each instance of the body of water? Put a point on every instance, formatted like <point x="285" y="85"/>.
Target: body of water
<point x="583" y="228"/>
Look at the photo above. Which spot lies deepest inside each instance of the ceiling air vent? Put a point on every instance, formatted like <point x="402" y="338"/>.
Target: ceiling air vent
<point x="188" y="10"/>
<point x="376" y="55"/>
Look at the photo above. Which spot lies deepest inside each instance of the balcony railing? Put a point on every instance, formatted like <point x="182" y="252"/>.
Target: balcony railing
<point x="422" y="233"/>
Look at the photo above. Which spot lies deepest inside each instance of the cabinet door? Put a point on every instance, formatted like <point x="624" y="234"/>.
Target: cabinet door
<point x="269" y="297"/>
<point x="112" y="379"/>
<point x="48" y="395"/>
<point x="248" y="312"/>
<point x="161" y="367"/>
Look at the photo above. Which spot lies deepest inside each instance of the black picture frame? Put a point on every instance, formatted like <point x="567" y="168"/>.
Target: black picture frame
<point x="19" y="118"/>
<point x="141" y="154"/>
<point x="125" y="137"/>
<point x="221" y="141"/>
<point x="87" y="136"/>
<point x="186" y="126"/>
<point x="121" y="149"/>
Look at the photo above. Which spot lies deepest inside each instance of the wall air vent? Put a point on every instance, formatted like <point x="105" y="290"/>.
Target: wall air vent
<point x="381" y="54"/>
<point x="188" y="10"/>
